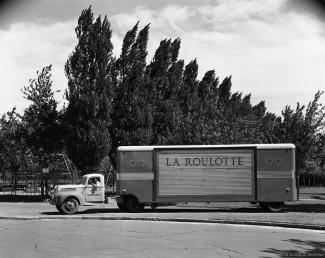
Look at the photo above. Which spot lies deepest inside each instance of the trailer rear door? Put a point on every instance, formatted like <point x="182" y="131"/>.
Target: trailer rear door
<point x="205" y="174"/>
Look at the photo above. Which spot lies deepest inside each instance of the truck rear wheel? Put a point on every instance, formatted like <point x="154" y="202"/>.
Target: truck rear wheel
<point x="133" y="205"/>
<point x="70" y="206"/>
<point x="122" y="206"/>
<point x="272" y="206"/>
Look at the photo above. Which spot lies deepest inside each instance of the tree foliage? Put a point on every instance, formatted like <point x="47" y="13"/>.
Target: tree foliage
<point x="42" y="130"/>
<point x="13" y="148"/>
<point x="126" y="100"/>
<point x="131" y="113"/>
<point x="89" y="93"/>
<point x="304" y="127"/>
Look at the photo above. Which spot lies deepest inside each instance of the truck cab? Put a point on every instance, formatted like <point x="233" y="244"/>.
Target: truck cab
<point x="68" y="198"/>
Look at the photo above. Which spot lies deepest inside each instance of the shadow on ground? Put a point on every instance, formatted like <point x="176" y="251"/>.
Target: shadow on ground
<point x="157" y="211"/>
<point x="303" y="249"/>
<point x="313" y="208"/>
<point x="22" y="198"/>
<point x="306" y="207"/>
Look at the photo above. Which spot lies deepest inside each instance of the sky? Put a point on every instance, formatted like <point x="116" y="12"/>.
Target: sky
<point x="273" y="49"/>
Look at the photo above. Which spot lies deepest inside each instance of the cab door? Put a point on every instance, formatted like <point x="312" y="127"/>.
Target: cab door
<point x="94" y="193"/>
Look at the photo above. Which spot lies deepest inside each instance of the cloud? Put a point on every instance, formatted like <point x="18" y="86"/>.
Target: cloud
<point x="270" y="52"/>
<point x="28" y="47"/>
<point x="18" y="11"/>
<point x="275" y="54"/>
<point x="314" y="8"/>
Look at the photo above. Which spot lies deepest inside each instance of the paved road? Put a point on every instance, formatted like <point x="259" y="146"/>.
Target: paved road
<point x="79" y="238"/>
<point x="307" y="213"/>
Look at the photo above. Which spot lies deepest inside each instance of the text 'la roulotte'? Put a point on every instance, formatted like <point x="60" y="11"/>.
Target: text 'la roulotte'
<point x="205" y="161"/>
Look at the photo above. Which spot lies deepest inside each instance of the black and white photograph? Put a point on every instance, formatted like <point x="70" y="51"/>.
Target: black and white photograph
<point x="147" y="128"/>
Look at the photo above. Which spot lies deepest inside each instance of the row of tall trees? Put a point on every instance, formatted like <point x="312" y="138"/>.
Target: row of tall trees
<point x="125" y="100"/>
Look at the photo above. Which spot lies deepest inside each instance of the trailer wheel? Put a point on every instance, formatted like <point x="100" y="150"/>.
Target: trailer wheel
<point x="133" y="205"/>
<point x="272" y="206"/>
<point x="153" y="206"/>
<point x="70" y="206"/>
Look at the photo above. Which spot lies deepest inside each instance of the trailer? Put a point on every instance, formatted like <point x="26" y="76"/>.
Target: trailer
<point x="163" y="175"/>
<point x="160" y="175"/>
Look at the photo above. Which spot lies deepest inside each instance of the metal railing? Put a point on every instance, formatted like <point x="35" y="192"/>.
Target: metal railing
<point x="312" y="179"/>
<point x="33" y="182"/>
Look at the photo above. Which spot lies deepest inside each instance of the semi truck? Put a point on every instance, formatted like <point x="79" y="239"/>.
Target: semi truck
<point x="155" y="176"/>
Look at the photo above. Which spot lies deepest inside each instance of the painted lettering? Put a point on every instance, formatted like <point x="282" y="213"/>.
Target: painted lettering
<point x="209" y="161"/>
<point x="196" y="162"/>
<point x="169" y="165"/>
<point x="206" y="161"/>
<point x="175" y="163"/>
<point x="220" y="161"/>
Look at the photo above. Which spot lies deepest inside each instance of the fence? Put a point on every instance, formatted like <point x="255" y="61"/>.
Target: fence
<point x="312" y="179"/>
<point x="37" y="181"/>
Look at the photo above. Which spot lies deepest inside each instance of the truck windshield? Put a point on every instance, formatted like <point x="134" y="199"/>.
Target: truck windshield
<point x="83" y="180"/>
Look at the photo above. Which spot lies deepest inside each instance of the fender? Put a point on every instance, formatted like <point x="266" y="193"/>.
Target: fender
<point x="61" y="196"/>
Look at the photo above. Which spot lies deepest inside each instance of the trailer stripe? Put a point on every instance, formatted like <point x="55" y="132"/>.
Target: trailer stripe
<point x="275" y="174"/>
<point x="135" y="176"/>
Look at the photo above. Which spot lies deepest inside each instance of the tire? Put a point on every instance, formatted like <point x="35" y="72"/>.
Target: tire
<point x="272" y="206"/>
<point x="122" y="206"/>
<point x="58" y="207"/>
<point x="153" y="206"/>
<point x="133" y="205"/>
<point x="70" y="206"/>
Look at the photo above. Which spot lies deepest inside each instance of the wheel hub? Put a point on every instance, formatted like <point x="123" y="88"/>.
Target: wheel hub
<point x="70" y="205"/>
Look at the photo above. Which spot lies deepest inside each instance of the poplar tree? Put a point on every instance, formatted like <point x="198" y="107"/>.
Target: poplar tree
<point x="131" y="111"/>
<point x="165" y="74"/>
<point x="210" y="114"/>
<point x="89" y="94"/>
<point x="192" y="121"/>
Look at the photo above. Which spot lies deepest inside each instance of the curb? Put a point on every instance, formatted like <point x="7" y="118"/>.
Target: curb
<point x="184" y="220"/>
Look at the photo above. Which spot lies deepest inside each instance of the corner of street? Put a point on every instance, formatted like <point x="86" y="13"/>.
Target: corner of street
<point x="308" y="213"/>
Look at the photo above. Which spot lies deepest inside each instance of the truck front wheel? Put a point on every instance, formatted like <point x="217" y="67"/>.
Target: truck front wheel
<point x="58" y="207"/>
<point x="70" y="206"/>
<point x="272" y="206"/>
<point x="133" y="205"/>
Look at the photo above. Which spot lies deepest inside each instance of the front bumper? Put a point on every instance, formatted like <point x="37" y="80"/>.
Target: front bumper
<point x="52" y="199"/>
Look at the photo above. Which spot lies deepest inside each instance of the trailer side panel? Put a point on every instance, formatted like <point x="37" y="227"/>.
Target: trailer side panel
<point x="206" y="174"/>
<point x="135" y="175"/>
<point x="276" y="175"/>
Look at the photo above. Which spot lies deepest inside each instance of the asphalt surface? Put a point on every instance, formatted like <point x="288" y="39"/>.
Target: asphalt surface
<point x="307" y="214"/>
<point x="79" y="238"/>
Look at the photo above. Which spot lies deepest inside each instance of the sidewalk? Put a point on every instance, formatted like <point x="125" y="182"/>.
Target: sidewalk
<point x="312" y="193"/>
<point x="309" y="214"/>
